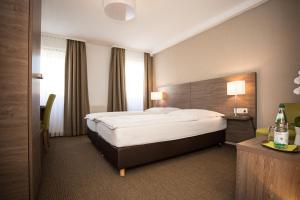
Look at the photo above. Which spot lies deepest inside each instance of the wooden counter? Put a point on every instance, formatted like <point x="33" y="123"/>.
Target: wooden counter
<point x="265" y="174"/>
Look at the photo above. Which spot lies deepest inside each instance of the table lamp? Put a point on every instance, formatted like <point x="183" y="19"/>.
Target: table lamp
<point x="236" y="88"/>
<point x="156" y="96"/>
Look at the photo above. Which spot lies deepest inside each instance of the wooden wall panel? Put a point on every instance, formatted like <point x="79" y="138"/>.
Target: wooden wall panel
<point x="176" y="95"/>
<point x="14" y="177"/>
<point x="209" y="94"/>
<point x="212" y="95"/>
<point x="20" y="163"/>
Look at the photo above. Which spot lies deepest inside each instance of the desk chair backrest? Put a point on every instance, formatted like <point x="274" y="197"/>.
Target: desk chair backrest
<point x="47" y="112"/>
<point x="292" y="110"/>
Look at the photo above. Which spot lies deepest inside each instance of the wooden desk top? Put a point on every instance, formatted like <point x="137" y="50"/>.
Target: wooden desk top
<point x="254" y="146"/>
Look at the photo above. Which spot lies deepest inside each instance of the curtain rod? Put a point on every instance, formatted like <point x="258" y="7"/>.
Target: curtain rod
<point x="62" y="37"/>
<point x="129" y="49"/>
<point x="81" y="40"/>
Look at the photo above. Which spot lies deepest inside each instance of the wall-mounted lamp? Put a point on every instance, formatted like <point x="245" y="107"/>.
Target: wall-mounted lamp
<point x="236" y="88"/>
<point x="156" y="96"/>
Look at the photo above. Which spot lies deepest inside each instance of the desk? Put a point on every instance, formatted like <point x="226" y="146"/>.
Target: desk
<point x="264" y="173"/>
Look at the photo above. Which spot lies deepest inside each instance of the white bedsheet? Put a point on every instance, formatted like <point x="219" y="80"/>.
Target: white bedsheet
<point x="137" y="135"/>
<point x="91" y="124"/>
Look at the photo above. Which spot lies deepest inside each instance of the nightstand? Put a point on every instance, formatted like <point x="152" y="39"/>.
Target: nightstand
<point x="239" y="128"/>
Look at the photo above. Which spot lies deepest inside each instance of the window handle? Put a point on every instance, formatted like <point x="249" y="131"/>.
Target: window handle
<point x="37" y="76"/>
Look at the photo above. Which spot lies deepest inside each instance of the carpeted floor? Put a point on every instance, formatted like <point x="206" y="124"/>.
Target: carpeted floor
<point x="74" y="169"/>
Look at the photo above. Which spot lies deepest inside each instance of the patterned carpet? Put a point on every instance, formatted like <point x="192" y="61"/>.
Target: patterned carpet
<point x="74" y="169"/>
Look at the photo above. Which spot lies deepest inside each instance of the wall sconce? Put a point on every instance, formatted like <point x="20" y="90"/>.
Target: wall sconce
<point x="236" y="88"/>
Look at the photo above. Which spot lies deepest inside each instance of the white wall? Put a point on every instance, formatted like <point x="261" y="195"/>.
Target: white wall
<point x="98" y="59"/>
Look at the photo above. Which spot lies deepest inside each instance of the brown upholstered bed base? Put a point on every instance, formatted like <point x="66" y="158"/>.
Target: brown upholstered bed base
<point x="126" y="157"/>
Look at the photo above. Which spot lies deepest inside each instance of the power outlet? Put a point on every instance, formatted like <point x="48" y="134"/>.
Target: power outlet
<point x="242" y="110"/>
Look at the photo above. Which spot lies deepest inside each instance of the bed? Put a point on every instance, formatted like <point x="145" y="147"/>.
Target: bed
<point x="132" y="140"/>
<point x="207" y="95"/>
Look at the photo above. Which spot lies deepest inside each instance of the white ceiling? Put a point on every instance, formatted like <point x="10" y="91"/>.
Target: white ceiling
<point x="159" y="23"/>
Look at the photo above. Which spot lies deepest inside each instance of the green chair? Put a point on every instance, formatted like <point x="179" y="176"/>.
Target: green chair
<point x="292" y="110"/>
<point x="46" y="120"/>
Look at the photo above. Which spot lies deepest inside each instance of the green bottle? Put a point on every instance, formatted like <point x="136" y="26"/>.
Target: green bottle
<point x="281" y="133"/>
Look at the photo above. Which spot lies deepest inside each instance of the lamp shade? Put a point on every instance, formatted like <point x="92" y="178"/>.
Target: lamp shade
<point x="236" y="87"/>
<point x="156" y="95"/>
<point x="122" y="10"/>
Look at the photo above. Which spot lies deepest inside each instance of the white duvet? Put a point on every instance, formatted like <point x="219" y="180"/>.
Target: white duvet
<point x="128" y="130"/>
<point x="186" y="115"/>
<point x="98" y="116"/>
<point x="143" y="120"/>
<point x="150" y="111"/>
<point x="138" y="135"/>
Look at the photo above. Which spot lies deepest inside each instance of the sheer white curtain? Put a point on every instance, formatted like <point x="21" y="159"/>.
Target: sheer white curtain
<point x="134" y="80"/>
<point x="53" y="52"/>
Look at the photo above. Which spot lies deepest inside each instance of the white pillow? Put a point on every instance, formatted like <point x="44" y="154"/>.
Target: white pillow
<point x="196" y="113"/>
<point x="161" y="110"/>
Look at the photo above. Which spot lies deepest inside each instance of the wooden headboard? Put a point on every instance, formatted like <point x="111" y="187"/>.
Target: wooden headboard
<point x="212" y="95"/>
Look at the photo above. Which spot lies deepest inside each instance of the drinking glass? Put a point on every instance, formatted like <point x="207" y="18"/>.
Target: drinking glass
<point x="271" y="133"/>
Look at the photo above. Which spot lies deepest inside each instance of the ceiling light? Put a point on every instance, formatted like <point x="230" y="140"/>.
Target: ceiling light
<point x="122" y="10"/>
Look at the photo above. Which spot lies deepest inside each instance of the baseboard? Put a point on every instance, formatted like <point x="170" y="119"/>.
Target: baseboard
<point x="230" y="143"/>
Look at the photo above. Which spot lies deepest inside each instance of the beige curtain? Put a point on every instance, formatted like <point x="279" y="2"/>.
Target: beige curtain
<point x="116" y="89"/>
<point x="148" y="80"/>
<point x="76" y="104"/>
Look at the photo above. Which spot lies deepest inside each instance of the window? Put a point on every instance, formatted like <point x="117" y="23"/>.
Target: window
<point x="134" y="80"/>
<point x="53" y="52"/>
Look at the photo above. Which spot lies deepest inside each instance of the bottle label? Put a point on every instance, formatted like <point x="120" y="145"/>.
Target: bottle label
<point x="281" y="137"/>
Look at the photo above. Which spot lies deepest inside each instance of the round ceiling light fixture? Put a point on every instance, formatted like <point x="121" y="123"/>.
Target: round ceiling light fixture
<point x="122" y="10"/>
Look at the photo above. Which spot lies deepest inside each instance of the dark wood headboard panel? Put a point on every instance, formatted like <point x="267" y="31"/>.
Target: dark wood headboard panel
<point x="176" y="95"/>
<point x="212" y="95"/>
